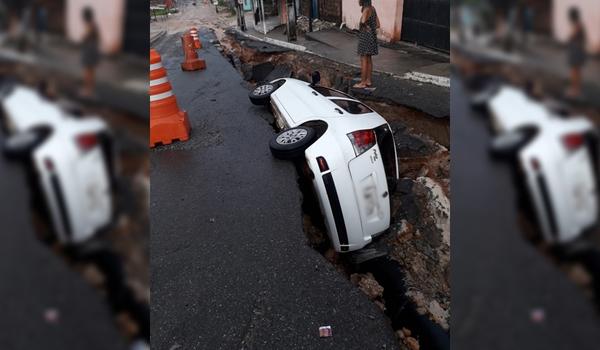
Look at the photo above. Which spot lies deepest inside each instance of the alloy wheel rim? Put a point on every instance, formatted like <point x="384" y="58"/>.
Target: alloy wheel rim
<point x="291" y="136"/>
<point x="263" y="90"/>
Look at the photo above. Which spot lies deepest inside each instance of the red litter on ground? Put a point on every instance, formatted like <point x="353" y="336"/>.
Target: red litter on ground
<point x="51" y="315"/>
<point x="325" y="331"/>
<point x="537" y="315"/>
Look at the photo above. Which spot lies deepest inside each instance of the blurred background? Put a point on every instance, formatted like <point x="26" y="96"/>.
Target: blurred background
<point x="74" y="174"/>
<point x="524" y="131"/>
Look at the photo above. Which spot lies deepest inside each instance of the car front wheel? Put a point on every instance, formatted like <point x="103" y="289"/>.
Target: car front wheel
<point x="21" y="144"/>
<point x="261" y="94"/>
<point x="291" y="143"/>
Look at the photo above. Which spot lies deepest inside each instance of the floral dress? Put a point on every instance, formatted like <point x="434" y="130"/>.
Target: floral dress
<point x="367" y="36"/>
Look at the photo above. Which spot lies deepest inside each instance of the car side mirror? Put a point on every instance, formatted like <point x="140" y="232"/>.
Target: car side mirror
<point x="316" y="77"/>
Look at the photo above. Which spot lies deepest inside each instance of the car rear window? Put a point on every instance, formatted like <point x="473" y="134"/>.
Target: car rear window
<point x="352" y="107"/>
<point x="330" y="92"/>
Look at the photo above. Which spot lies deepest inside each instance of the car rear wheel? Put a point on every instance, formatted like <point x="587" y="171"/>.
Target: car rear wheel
<point x="21" y="144"/>
<point x="261" y="94"/>
<point x="291" y="143"/>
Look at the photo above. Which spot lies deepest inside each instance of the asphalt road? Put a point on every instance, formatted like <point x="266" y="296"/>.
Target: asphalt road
<point x="34" y="280"/>
<point x="230" y="266"/>
<point x="498" y="278"/>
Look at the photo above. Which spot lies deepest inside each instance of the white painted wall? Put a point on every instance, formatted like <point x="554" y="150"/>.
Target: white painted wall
<point x="109" y="15"/>
<point x="590" y="14"/>
<point x="390" y="17"/>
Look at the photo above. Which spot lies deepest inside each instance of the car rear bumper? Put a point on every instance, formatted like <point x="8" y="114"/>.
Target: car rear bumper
<point x="341" y="199"/>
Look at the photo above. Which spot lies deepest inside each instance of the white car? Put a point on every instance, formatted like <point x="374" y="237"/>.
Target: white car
<point x="557" y="157"/>
<point x="71" y="159"/>
<point x="349" y="150"/>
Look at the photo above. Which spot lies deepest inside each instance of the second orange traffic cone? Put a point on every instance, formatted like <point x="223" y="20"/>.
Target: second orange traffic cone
<point x="192" y="62"/>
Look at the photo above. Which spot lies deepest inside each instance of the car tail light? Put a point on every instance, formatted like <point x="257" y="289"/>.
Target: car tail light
<point x="362" y="140"/>
<point x="535" y="164"/>
<point x="87" y="141"/>
<point x="49" y="164"/>
<point x="322" y="164"/>
<point x="573" y="141"/>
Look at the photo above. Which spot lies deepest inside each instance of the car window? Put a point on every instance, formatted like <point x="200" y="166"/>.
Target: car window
<point x="352" y="107"/>
<point x="329" y="92"/>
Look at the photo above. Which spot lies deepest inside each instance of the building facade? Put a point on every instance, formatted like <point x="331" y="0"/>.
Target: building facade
<point x="590" y="15"/>
<point x="423" y="22"/>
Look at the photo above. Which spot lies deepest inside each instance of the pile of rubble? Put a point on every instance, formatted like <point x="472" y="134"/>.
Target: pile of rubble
<point x="318" y="24"/>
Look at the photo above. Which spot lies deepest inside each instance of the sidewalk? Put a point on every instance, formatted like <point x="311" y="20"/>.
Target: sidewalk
<point x="542" y="58"/>
<point x="122" y="80"/>
<point x="407" y="61"/>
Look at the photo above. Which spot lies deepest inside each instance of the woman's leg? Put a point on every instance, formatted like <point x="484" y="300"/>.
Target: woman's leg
<point x="363" y="72"/>
<point x="88" y="81"/>
<point x="369" y="74"/>
<point x="575" y="88"/>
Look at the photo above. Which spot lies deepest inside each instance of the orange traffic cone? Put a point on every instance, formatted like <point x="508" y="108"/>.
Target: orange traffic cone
<point x="194" y="34"/>
<point x="167" y="122"/>
<point x="192" y="62"/>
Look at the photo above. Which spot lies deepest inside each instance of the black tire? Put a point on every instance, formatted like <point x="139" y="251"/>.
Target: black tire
<point x="261" y="94"/>
<point x="507" y="145"/>
<point x="20" y="145"/>
<point x="480" y="99"/>
<point x="298" y="139"/>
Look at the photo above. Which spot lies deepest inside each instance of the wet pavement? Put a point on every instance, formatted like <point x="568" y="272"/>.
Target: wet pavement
<point x="230" y="264"/>
<point x="498" y="278"/>
<point x="405" y="58"/>
<point x="38" y="285"/>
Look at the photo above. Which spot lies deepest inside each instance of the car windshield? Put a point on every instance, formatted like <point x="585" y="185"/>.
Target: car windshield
<point x="352" y="107"/>
<point x="330" y="92"/>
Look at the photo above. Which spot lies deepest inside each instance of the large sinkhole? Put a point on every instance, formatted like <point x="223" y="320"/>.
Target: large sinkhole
<point x="404" y="271"/>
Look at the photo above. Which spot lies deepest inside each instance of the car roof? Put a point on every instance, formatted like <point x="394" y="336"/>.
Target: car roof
<point x="303" y="102"/>
<point x="26" y="108"/>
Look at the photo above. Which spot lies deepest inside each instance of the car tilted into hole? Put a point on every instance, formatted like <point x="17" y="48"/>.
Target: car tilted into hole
<point x="555" y="158"/>
<point x="349" y="151"/>
<point x="70" y="161"/>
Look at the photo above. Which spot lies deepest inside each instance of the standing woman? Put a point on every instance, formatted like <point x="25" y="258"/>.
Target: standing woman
<point x="90" y="55"/>
<point x="367" y="42"/>
<point x="576" y="52"/>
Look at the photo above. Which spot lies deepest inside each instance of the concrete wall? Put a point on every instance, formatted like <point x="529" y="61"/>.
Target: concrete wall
<point x="590" y="12"/>
<point x="390" y="17"/>
<point x="109" y="15"/>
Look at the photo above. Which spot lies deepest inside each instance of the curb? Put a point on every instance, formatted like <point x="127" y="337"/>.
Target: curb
<point x="273" y="41"/>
